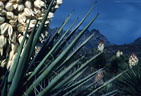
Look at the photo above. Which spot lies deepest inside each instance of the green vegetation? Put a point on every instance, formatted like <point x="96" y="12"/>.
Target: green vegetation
<point x="129" y="83"/>
<point x="37" y="74"/>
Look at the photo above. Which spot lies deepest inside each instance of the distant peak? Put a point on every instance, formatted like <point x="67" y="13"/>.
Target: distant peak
<point x="137" y="41"/>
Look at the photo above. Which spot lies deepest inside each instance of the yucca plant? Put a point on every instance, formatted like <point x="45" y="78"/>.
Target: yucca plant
<point x="39" y="75"/>
<point x="14" y="17"/>
<point x="129" y="83"/>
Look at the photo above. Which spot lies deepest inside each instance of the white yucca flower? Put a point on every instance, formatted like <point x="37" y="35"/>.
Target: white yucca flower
<point x="10" y="31"/>
<point x="59" y="2"/>
<point x="39" y="4"/>
<point x="37" y="12"/>
<point x="1" y="5"/>
<point x="3" y="12"/>
<point x="15" y="6"/>
<point x="32" y="23"/>
<point x="3" y="42"/>
<point x="13" y="38"/>
<point x="3" y="63"/>
<point x="21" y="27"/>
<point x="47" y="22"/>
<point x="14" y="17"/>
<point x="20" y="38"/>
<point x="13" y="22"/>
<point x="50" y="15"/>
<point x="28" y="12"/>
<point x="21" y="18"/>
<point x="10" y="15"/>
<point x="9" y="6"/>
<point x="101" y="46"/>
<point x="133" y="60"/>
<point x="28" y="4"/>
<point x="4" y="28"/>
<point x="119" y="53"/>
<point x="2" y="19"/>
<point x="56" y="6"/>
<point x="20" y="7"/>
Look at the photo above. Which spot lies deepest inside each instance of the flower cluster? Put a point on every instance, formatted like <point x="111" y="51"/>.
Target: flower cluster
<point x="101" y="46"/>
<point x="99" y="78"/>
<point x="14" y="16"/>
<point x="133" y="60"/>
<point x="119" y="53"/>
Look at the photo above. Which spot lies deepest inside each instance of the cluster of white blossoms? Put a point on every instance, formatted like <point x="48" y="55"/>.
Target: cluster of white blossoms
<point x="14" y="17"/>
<point x="100" y="46"/>
<point x="119" y="53"/>
<point x="133" y="60"/>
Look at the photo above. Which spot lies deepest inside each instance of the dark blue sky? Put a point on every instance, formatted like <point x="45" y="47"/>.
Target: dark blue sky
<point x="119" y="20"/>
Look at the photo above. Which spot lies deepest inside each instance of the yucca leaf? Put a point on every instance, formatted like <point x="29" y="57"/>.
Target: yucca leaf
<point x="75" y="51"/>
<point x="40" y="29"/>
<point x="4" y="84"/>
<point x="107" y="82"/>
<point x="46" y="47"/>
<point x="81" y="22"/>
<point x="4" y="88"/>
<point x="16" y="60"/>
<point x="51" y="51"/>
<point x="34" y="60"/>
<point x="30" y="53"/>
<point x="74" y="78"/>
<point x="66" y="84"/>
<point x="59" y="58"/>
<point x="74" y="30"/>
<point x="60" y="29"/>
<point x="34" y="31"/>
<point x="54" y="82"/>
<point x="64" y="34"/>
<point x="83" y="66"/>
<point x="86" y="88"/>
<point x="57" y="50"/>
<point x="110" y="93"/>
<point x="81" y="82"/>
<point x="20" y="68"/>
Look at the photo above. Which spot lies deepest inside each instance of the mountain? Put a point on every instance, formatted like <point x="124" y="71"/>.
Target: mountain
<point x="91" y="43"/>
<point x="111" y="49"/>
<point x="134" y="47"/>
<point x="137" y="41"/>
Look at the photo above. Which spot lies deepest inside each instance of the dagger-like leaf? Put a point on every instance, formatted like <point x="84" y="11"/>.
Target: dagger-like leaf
<point x="107" y="82"/>
<point x="51" y="51"/>
<point x="57" y="79"/>
<point x="75" y="51"/>
<point x="39" y="30"/>
<point x="20" y="67"/>
<point x="74" y="30"/>
<point x="59" y="58"/>
<point x="57" y="49"/>
<point x="83" y="66"/>
<point x="81" y="82"/>
<point x="14" y="66"/>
